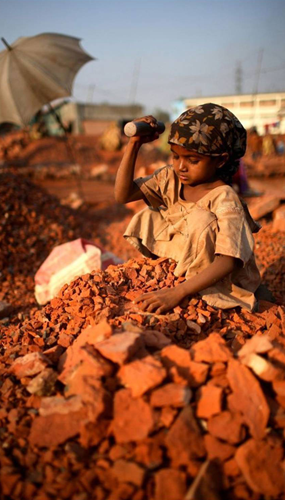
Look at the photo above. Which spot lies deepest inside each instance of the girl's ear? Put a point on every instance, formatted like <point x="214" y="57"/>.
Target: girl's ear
<point x="223" y="160"/>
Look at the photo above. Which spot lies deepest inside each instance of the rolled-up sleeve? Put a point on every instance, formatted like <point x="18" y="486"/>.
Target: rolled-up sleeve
<point x="151" y="187"/>
<point x="234" y="237"/>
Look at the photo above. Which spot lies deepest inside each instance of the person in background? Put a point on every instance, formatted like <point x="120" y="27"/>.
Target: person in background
<point x="254" y="144"/>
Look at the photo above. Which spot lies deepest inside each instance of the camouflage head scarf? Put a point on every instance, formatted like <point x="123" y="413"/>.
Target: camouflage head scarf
<point x="209" y="129"/>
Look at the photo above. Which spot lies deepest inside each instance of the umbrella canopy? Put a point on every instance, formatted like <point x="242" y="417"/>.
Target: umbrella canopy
<point x="36" y="70"/>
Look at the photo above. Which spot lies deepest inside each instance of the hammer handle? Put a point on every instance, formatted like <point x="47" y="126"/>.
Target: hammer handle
<point x="142" y="128"/>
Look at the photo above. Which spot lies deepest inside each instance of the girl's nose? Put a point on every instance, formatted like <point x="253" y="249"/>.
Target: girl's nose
<point x="181" y="165"/>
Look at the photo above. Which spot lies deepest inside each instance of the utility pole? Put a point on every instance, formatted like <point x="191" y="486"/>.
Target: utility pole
<point x="238" y="78"/>
<point x="90" y="92"/>
<point x="256" y="83"/>
<point x="258" y="70"/>
<point x="134" y="84"/>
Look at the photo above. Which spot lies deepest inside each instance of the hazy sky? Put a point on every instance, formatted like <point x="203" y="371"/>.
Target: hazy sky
<point x="155" y="51"/>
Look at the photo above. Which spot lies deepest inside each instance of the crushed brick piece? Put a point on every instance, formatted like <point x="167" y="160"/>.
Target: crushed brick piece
<point x="120" y="347"/>
<point x="128" y="472"/>
<point x="167" y="416"/>
<point x="263" y="206"/>
<point x="59" y="420"/>
<point x="218" y="449"/>
<point x="231" y="468"/>
<point x="170" y="484"/>
<point x="248" y="398"/>
<point x="133" y="419"/>
<point x="29" y="365"/>
<point x="279" y="387"/>
<point x="155" y="339"/>
<point x="43" y="384"/>
<point x="194" y="373"/>
<point x="141" y="375"/>
<point x="258" y="344"/>
<point x="261" y="466"/>
<point x="261" y="367"/>
<point x="149" y="453"/>
<point x="171" y="395"/>
<point x="210" y="401"/>
<point x="279" y="219"/>
<point x="211" y="350"/>
<point x="184" y="439"/>
<point x="227" y="426"/>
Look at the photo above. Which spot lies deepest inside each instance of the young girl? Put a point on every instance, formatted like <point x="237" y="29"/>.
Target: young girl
<point x="193" y="215"/>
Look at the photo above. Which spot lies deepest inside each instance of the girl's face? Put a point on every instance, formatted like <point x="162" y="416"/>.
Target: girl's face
<point x="194" y="169"/>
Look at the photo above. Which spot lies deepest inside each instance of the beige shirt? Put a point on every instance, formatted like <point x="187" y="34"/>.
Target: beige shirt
<point x="193" y="233"/>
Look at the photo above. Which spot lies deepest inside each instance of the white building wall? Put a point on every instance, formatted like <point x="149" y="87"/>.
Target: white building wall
<point x="258" y="110"/>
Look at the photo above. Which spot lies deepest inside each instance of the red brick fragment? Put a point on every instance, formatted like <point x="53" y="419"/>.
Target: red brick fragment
<point x="211" y="350"/>
<point x="217" y="449"/>
<point x="171" y="395"/>
<point x="53" y="354"/>
<point x="279" y="219"/>
<point x="258" y="344"/>
<point x="149" y="453"/>
<point x="194" y="373"/>
<point x="8" y="480"/>
<point x="279" y="387"/>
<point x="128" y="472"/>
<point x="227" y="426"/>
<point x="261" y="466"/>
<point x="248" y="398"/>
<point x="59" y="420"/>
<point x="133" y="418"/>
<point x="141" y="375"/>
<point x="29" y="365"/>
<point x="43" y="384"/>
<point x="261" y="367"/>
<point x="123" y="491"/>
<point x="155" y="339"/>
<point x="210" y="401"/>
<point x="263" y="206"/>
<point x="120" y="347"/>
<point x="231" y="468"/>
<point x="184" y="439"/>
<point x="167" y="415"/>
<point x="170" y="484"/>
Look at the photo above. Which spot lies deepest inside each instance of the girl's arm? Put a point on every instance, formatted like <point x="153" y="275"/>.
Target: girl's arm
<point x="126" y="190"/>
<point x="167" y="298"/>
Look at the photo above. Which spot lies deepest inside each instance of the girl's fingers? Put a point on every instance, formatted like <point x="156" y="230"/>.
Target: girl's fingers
<point x="152" y="307"/>
<point x="143" y="297"/>
<point x="160" y="310"/>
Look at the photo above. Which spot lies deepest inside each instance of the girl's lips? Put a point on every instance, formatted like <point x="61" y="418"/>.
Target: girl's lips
<point x="183" y="177"/>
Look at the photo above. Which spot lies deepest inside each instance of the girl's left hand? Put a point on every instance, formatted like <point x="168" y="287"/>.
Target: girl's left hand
<point x="160" y="301"/>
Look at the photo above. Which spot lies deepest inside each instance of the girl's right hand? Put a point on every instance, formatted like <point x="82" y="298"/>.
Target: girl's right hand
<point x="152" y="121"/>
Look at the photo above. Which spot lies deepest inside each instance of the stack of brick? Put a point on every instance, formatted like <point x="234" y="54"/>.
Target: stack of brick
<point x="101" y="400"/>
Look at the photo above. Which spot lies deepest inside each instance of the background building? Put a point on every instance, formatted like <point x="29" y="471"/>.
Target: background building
<point x="264" y="111"/>
<point x="90" y="119"/>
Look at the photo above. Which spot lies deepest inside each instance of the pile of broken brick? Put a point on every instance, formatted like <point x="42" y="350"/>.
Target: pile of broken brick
<point x="101" y="400"/>
<point x="32" y="223"/>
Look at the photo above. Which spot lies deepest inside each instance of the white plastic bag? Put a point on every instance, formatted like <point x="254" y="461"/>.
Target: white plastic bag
<point x="65" y="263"/>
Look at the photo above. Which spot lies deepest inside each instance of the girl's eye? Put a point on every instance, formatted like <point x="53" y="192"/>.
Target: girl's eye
<point x="192" y="161"/>
<point x="175" y="157"/>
